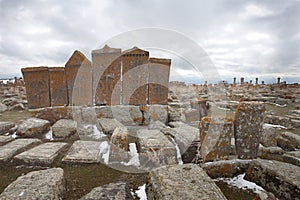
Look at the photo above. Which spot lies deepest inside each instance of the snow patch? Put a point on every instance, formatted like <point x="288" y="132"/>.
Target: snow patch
<point x="179" y="159"/>
<point x="278" y="105"/>
<point x="141" y="192"/>
<point x="275" y="126"/>
<point x="14" y="135"/>
<point x="104" y="150"/>
<point x="223" y="108"/>
<point x="134" y="156"/>
<point x="49" y="135"/>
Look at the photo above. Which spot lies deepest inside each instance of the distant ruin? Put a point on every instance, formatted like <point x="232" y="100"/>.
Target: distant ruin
<point x="131" y="78"/>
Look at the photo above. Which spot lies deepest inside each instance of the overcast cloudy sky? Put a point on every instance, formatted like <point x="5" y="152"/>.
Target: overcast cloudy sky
<point x="259" y="38"/>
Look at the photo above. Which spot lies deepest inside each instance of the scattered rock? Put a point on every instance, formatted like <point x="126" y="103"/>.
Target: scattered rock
<point x="5" y="127"/>
<point x="44" y="185"/>
<point x="53" y="114"/>
<point x="33" y="127"/>
<point x="278" y="120"/>
<point x="271" y="153"/>
<point x="292" y="157"/>
<point x="269" y="136"/>
<point x="17" y="107"/>
<point x="109" y="125"/>
<point x="288" y="141"/>
<point x="64" y="128"/>
<point x="119" y="145"/>
<point x="5" y="139"/>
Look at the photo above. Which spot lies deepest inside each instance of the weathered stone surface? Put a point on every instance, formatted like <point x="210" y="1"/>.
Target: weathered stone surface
<point x="17" y="107"/>
<point x="215" y="137"/>
<point x="127" y="114"/>
<point x="278" y="120"/>
<point x="192" y="115"/>
<point x="135" y="74"/>
<point x="269" y="136"/>
<point x="78" y="71"/>
<point x="157" y="125"/>
<point x="9" y="150"/>
<point x="33" y="127"/>
<point x="282" y="179"/>
<point x="5" y="126"/>
<point x="84" y="152"/>
<point x="107" y="75"/>
<point x="52" y="114"/>
<point x="201" y="106"/>
<point x="271" y="153"/>
<point x="264" y="195"/>
<point x="175" y="112"/>
<point x="181" y="182"/>
<point x="3" y="107"/>
<point x="109" y="125"/>
<point x="159" y="71"/>
<point x="155" y="149"/>
<point x="58" y="86"/>
<point x="295" y="123"/>
<point x="64" y="128"/>
<point x="248" y="122"/>
<point x="5" y="139"/>
<point x="226" y="168"/>
<point x="288" y="141"/>
<point x="44" y="185"/>
<point x="42" y="155"/>
<point x="119" y="145"/>
<point x="156" y="112"/>
<point x="292" y="157"/>
<point x="37" y="86"/>
<point x="112" y="191"/>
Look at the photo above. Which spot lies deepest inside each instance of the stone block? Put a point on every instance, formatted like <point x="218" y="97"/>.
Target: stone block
<point x="119" y="146"/>
<point x="110" y="191"/>
<point x="42" y="155"/>
<point x="33" y="127"/>
<point x="58" y="86"/>
<point x="159" y="71"/>
<point x="64" y="128"/>
<point x="248" y="122"/>
<point x="52" y="114"/>
<point x="37" y="86"/>
<point x="215" y="137"/>
<point x="156" y="113"/>
<point x="9" y="150"/>
<point x="278" y="120"/>
<point x="269" y="136"/>
<point x="5" y="126"/>
<point x="44" y="185"/>
<point x="181" y="182"/>
<point x="282" y="179"/>
<point x="292" y="157"/>
<point x="109" y="125"/>
<point x="78" y="71"/>
<point x="5" y="139"/>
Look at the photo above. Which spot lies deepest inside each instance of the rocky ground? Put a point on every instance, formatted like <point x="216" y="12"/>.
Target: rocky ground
<point x="73" y="153"/>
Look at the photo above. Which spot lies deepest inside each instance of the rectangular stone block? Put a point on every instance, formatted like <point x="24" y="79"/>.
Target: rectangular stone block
<point x="42" y="155"/>
<point x="9" y="150"/>
<point x="248" y="127"/>
<point x="5" y="139"/>
<point x="155" y="149"/>
<point x="107" y="75"/>
<point x="215" y="137"/>
<point x="159" y="71"/>
<point x="187" y="181"/>
<point x="5" y="126"/>
<point x="78" y="71"/>
<point x="135" y="75"/>
<point x="58" y="86"/>
<point x="37" y="86"/>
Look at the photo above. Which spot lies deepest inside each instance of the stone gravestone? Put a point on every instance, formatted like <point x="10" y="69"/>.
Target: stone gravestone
<point x="248" y="126"/>
<point x="107" y="75"/>
<point x="215" y="137"/>
<point x="159" y="71"/>
<point x="37" y="86"/>
<point x="135" y="75"/>
<point x="58" y="86"/>
<point x="79" y="79"/>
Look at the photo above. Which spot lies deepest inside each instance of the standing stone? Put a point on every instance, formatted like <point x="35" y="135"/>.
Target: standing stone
<point x="187" y="181"/>
<point x="135" y="74"/>
<point x="278" y="80"/>
<point x="248" y="127"/>
<point x="58" y="86"/>
<point x="78" y="71"/>
<point x="107" y="75"/>
<point x="119" y="145"/>
<point x="159" y="71"/>
<point x="37" y="86"/>
<point x="215" y="137"/>
<point x="242" y="80"/>
<point x="33" y="127"/>
<point x="43" y="185"/>
<point x="234" y="80"/>
<point x="256" y="81"/>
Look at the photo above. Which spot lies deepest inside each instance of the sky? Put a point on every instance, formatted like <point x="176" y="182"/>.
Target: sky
<point x="253" y="38"/>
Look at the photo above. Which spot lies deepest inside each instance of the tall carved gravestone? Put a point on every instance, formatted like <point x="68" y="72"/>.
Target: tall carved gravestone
<point x="159" y="71"/>
<point x="135" y="75"/>
<point x="248" y="122"/>
<point x="79" y="79"/>
<point x="37" y="86"/>
<point x="58" y="86"/>
<point x="107" y="75"/>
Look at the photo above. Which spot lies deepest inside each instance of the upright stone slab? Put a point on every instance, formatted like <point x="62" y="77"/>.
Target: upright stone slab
<point x="215" y="137"/>
<point x="58" y="86"/>
<point x="9" y="150"/>
<point x="135" y="75"/>
<point x="107" y="75"/>
<point x="42" y="155"/>
<point x="187" y="181"/>
<point x="155" y="149"/>
<point x="43" y="185"/>
<point x="79" y="79"/>
<point x="159" y="71"/>
<point x="119" y="145"/>
<point x="37" y="86"/>
<point x="248" y="126"/>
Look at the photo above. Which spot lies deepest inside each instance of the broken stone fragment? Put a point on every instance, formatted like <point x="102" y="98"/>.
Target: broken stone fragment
<point x="64" y="128"/>
<point x="33" y="127"/>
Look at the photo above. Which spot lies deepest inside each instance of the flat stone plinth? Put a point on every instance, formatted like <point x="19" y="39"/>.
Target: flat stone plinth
<point x="9" y="150"/>
<point x="187" y="181"/>
<point x="282" y="179"/>
<point x="42" y="155"/>
<point x="84" y="152"/>
<point x="5" y="139"/>
<point x="42" y="185"/>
